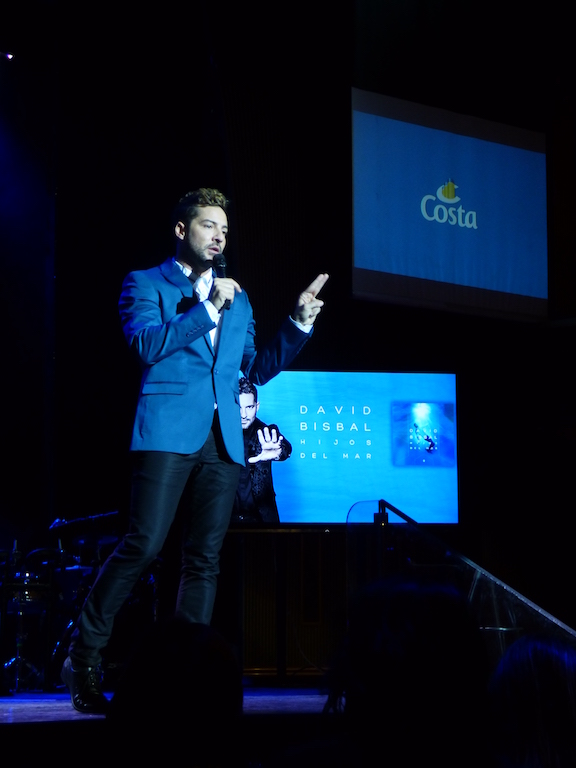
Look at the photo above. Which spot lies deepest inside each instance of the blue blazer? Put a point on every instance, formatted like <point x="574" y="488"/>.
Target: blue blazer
<point x="182" y="374"/>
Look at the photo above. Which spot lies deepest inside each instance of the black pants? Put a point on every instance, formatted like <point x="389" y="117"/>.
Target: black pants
<point x="158" y="483"/>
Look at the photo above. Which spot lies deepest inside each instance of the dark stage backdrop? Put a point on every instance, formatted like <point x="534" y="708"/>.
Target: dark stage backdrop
<point x="118" y="119"/>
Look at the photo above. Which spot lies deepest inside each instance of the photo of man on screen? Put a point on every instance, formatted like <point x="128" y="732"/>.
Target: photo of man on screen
<point x="255" y="500"/>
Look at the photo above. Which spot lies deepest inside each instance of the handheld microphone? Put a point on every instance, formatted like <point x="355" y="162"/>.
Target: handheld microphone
<point x="220" y="267"/>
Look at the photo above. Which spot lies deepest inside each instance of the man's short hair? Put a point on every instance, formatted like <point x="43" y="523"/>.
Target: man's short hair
<point x="187" y="208"/>
<point x="246" y="387"/>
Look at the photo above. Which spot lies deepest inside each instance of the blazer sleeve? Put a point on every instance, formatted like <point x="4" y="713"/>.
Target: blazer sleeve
<point x="272" y="358"/>
<point x="150" y="320"/>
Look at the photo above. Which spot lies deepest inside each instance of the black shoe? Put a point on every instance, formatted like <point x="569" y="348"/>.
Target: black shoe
<point x="84" y="684"/>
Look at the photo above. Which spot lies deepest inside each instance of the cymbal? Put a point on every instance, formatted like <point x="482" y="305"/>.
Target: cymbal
<point x="45" y="555"/>
<point x="60" y="523"/>
<point x="81" y="570"/>
<point x="94" y="540"/>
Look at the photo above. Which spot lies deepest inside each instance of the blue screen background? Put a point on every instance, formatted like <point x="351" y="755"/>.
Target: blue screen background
<point x="395" y="164"/>
<point x="353" y="440"/>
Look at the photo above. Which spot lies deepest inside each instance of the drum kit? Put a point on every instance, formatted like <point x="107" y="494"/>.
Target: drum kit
<point x="41" y="595"/>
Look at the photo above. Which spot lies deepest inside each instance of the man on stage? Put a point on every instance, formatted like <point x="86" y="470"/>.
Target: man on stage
<point x="192" y="332"/>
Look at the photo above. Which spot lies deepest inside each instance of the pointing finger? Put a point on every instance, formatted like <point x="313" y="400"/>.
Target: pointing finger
<point x="316" y="285"/>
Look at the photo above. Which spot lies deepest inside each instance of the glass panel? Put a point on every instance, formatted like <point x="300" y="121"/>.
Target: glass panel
<point x="381" y="540"/>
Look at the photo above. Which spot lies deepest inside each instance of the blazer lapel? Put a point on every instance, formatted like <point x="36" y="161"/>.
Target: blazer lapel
<point x="174" y="275"/>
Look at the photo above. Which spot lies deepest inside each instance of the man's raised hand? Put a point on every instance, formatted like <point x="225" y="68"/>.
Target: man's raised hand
<point x="308" y="306"/>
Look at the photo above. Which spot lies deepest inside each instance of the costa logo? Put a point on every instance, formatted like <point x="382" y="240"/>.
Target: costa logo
<point x="445" y="211"/>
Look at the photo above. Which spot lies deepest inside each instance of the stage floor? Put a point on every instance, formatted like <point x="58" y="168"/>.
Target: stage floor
<point x="56" y="707"/>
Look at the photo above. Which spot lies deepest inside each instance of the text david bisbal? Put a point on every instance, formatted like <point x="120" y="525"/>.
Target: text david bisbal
<point x="335" y="432"/>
